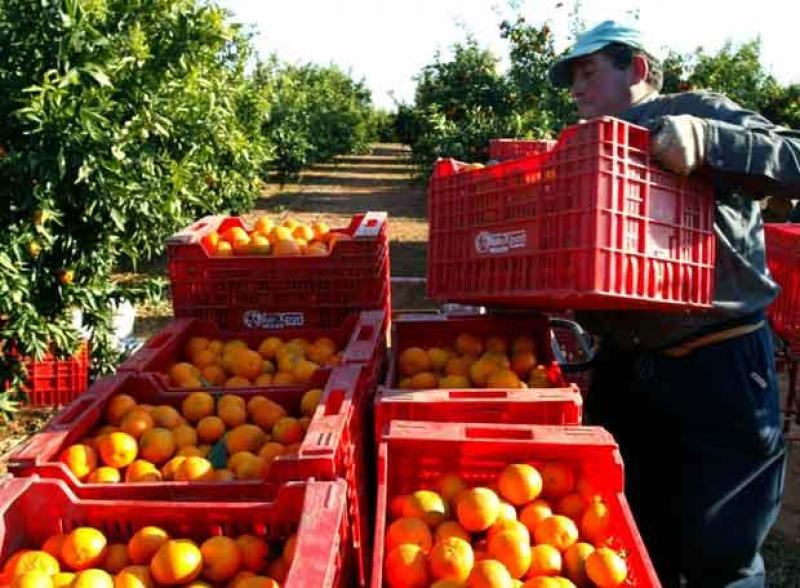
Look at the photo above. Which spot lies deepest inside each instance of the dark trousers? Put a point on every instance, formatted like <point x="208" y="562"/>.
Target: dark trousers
<point x="704" y="457"/>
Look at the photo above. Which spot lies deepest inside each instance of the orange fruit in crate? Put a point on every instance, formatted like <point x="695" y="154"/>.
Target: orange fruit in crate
<point x="203" y="359"/>
<point x="413" y="360"/>
<point x="522" y="363"/>
<point x="184" y="436"/>
<point x="210" y="429"/>
<point x="263" y="225"/>
<point x="214" y="375"/>
<point x="290" y="223"/>
<point x="545" y="561"/>
<point x="270" y="451"/>
<point x="507" y="512"/>
<point x="449" y="486"/>
<point x="63" y="579"/>
<point x="288" y="430"/>
<point x="237" y="382"/>
<point x="510" y="526"/>
<point x="310" y="400"/>
<point x="424" y="381"/>
<point x="33" y="579"/>
<point x="145" y="542"/>
<point x="558" y="480"/>
<point x="495" y="344"/>
<point x="267" y="413"/>
<point x="452" y="559"/>
<point x="459" y="366"/>
<point x="93" y="578"/>
<point x="260" y="244"/>
<point x="269" y="347"/>
<point x="222" y="558"/>
<point x="197" y="405"/>
<point x="548" y="582"/>
<point x="52" y="545"/>
<point x="244" y="438"/>
<point x="32" y="560"/>
<point x="284" y="379"/>
<point x="572" y="505"/>
<point x="257" y="582"/>
<point x="136" y="421"/>
<point x="117" y="407"/>
<point x="194" y="468"/>
<point x="210" y="241"/>
<point x="303" y="231"/>
<point x="304" y="370"/>
<point x="316" y="250"/>
<point x="255" y="552"/>
<point x="606" y="568"/>
<point x="250" y="468"/>
<point x="321" y="229"/>
<point x="264" y="380"/>
<point x="438" y="358"/>
<point x="523" y="344"/>
<point x="178" y="561"/>
<point x="182" y="372"/>
<point x="467" y="344"/>
<point x="142" y="471"/>
<point x="575" y="562"/>
<point x="558" y="531"/>
<point x="83" y="548"/>
<point x="134" y="577"/>
<point x="482" y="369"/>
<point x="224" y="249"/>
<point x="427" y="506"/>
<point x="116" y="558"/>
<point x="504" y="378"/>
<point x="406" y="567"/>
<point x="195" y="344"/>
<point x="118" y="449"/>
<point x="232" y="413"/>
<point x="409" y="530"/>
<point x="245" y="363"/>
<point x="286" y="248"/>
<point x="80" y="459"/>
<point x="171" y="467"/>
<point x="534" y="513"/>
<point x="596" y="522"/>
<point x="157" y="445"/>
<point x="166" y="416"/>
<point x="519" y="483"/>
<point x="190" y="451"/>
<point x="450" y="529"/>
<point x="234" y="234"/>
<point x="512" y="550"/>
<point x="489" y="573"/>
<point x="477" y="509"/>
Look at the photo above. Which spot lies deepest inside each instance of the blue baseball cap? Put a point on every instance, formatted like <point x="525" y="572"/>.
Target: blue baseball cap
<point x="593" y="40"/>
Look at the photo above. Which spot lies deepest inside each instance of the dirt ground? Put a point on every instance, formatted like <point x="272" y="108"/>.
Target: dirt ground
<point x="383" y="181"/>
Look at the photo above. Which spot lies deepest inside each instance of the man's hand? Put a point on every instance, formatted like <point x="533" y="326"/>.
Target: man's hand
<point x="679" y="143"/>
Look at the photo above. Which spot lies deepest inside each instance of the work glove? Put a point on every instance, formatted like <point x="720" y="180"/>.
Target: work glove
<point x="679" y="143"/>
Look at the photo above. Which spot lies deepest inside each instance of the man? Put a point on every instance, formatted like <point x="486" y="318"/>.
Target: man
<point x="692" y="399"/>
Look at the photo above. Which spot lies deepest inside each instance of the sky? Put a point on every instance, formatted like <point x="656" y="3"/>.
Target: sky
<point x="387" y="43"/>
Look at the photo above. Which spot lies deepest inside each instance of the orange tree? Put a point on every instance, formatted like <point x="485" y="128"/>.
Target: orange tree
<point x="122" y="120"/>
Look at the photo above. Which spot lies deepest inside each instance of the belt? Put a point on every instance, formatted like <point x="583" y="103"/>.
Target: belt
<point x="686" y="348"/>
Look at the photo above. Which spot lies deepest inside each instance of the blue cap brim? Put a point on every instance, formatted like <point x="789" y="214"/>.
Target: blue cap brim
<point x="560" y="74"/>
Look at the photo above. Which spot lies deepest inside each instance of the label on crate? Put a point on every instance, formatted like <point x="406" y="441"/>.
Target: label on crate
<point x="256" y="319"/>
<point x="489" y="243"/>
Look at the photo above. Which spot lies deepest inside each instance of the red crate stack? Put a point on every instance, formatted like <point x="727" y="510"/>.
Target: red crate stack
<point x="414" y="454"/>
<point x="560" y="404"/>
<point x="783" y="259"/>
<point x="32" y="509"/>
<point x="253" y="291"/>
<point x="53" y="381"/>
<point x="503" y="149"/>
<point x="592" y="223"/>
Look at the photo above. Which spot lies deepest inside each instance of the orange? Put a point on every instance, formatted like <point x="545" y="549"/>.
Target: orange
<point x="236" y="382"/>
<point x="451" y="529"/>
<point x="223" y="475"/>
<point x="190" y="451"/>
<point x="304" y="370"/>
<point x="182" y="372"/>
<point x="245" y="363"/>
<point x="481" y="370"/>
<point x="260" y="245"/>
<point x="404" y="384"/>
<point x="117" y="407"/>
<point x="195" y="344"/>
<point x="166" y="416"/>
<point x="257" y="582"/>
<point x="214" y="375"/>
<point x="203" y="359"/>
<point x="171" y="467"/>
<point x="210" y="241"/>
<point x="210" y="429"/>
<point x="477" y="509"/>
<point x="134" y="577"/>
<point x="304" y="232"/>
<point x="288" y="430"/>
<point x="197" y="405"/>
<point x="519" y="483"/>
<point x="255" y="552"/>
<point x="142" y="470"/>
<point x="558" y="480"/>
<point x="116" y="557"/>
<point x="495" y="344"/>
<point x="232" y="344"/>
<point x="136" y="421"/>
<point x="184" y="435"/>
<point x="244" y="438"/>
<point x="489" y="573"/>
<point x="424" y="381"/>
<point x="427" y="506"/>
<point x="507" y="512"/>
<point x="269" y="347"/>
<point x="545" y="561"/>
<point x="575" y="562"/>
<point x="93" y="578"/>
<point x="438" y="358"/>
<point x="239" y="578"/>
<point x="449" y="382"/>
<point x="157" y="445"/>
<point x="523" y="344"/>
<point x="264" y="380"/>
<point x="510" y="526"/>
<point x="512" y="550"/>
<point x="144" y="543"/>
<point x="572" y="505"/>
<point x="409" y="530"/>
<point x="37" y="560"/>
<point x="321" y="229"/>
<point x="80" y="459"/>
<point x="270" y="451"/>
<point x="221" y="558"/>
<point x="447" y="584"/>
<point x="548" y="582"/>
<point x="33" y="579"/>
<point x="522" y="363"/>
<point x="467" y="344"/>
<point x="118" y="449"/>
<point x="52" y="545"/>
<point x="413" y="360"/>
<point x="250" y="468"/>
<point x="284" y="379"/>
<point x="286" y="248"/>
<point x="534" y="513"/>
<point x="310" y="400"/>
<point x="459" y="366"/>
<point x="606" y="568"/>
<point x="63" y="579"/>
<point x="406" y="567"/>
<point x="83" y="548"/>
<point x="263" y="225"/>
<point x="558" y="531"/>
<point x="176" y="562"/>
<point x="452" y="559"/>
<point x="194" y="468"/>
<point x="224" y="249"/>
<point x="596" y="522"/>
<point x="449" y="486"/>
<point x="504" y="378"/>
<point x="321" y="351"/>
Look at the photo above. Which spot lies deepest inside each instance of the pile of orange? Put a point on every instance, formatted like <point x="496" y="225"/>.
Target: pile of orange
<point x="145" y="443"/>
<point x="232" y="364"/>
<point x="85" y="558"/>
<point x="472" y="362"/>
<point x="536" y="527"/>
<point x="290" y="238"/>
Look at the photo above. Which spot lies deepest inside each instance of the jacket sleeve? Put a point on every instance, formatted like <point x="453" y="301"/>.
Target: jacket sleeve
<point x="747" y="152"/>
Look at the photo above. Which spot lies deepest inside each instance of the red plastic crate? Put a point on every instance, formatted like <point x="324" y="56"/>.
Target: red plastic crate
<point x="334" y="446"/>
<point x="245" y="292"/>
<point x="360" y="338"/>
<point x="32" y="509"/>
<point x="53" y="382"/>
<point x="503" y="149"/>
<point x="783" y="260"/>
<point x="413" y="454"/>
<point x="591" y="224"/>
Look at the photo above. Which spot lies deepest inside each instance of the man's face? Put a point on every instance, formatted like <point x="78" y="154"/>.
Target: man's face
<point x="599" y="88"/>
